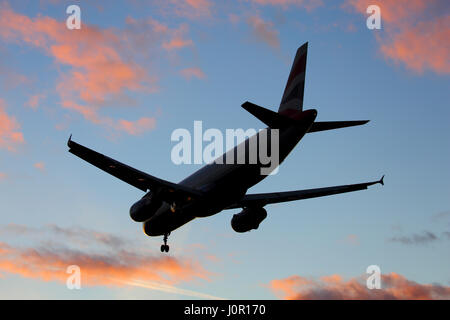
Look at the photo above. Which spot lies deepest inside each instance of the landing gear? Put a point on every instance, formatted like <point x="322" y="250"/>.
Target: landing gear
<point x="165" y="247"/>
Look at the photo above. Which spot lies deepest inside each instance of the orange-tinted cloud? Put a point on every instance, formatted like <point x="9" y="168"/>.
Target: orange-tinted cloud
<point x="307" y="4"/>
<point x="393" y="286"/>
<point x="352" y="239"/>
<point x="415" y="33"/>
<point x="2" y="176"/>
<point x="189" y="73"/>
<point x="423" y="47"/>
<point x="137" y="127"/>
<point x="97" y="269"/>
<point x="192" y="9"/>
<point x="105" y="259"/>
<point x="264" y="31"/>
<point x="178" y="40"/>
<point x="11" y="79"/>
<point x="33" y="101"/>
<point x="102" y="63"/>
<point x="10" y="136"/>
<point x="40" y="166"/>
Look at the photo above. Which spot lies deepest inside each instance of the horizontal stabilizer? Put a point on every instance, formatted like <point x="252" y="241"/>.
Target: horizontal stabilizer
<point x="271" y="118"/>
<point x="331" y="125"/>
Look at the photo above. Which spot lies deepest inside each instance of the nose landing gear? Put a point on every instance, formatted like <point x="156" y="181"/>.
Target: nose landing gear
<point x="165" y="247"/>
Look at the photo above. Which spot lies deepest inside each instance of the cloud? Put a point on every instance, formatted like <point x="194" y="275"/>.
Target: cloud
<point x="2" y="176"/>
<point x="104" y="65"/>
<point x="394" y="287"/>
<point x="264" y="31"/>
<point x="178" y="39"/>
<point x="415" y="33"/>
<point x="192" y="9"/>
<point x="307" y="4"/>
<point x="106" y="260"/>
<point x="50" y="264"/>
<point x="190" y="73"/>
<point x="418" y="239"/>
<point x="137" y="127"/>
<point x="33" y="101"/>
<point x="441" y="216"/>
<point x="78" y="235"/>
<point x="10" y="135"/>
<point x="40" y="166"/>
<point x="352" y="239"/>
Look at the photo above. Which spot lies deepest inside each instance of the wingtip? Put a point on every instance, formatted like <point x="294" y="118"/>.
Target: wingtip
<point x="69" y="141"/>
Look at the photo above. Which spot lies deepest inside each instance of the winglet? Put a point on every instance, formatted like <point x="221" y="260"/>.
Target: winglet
<point x="69" y="141"/>
<point x="382" y="180"/>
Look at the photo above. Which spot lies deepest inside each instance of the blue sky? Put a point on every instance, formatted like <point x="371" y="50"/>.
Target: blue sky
<point x="351" y="74"/>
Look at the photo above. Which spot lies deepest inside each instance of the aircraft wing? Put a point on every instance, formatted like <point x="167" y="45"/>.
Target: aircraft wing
<point x="167" y="190"/>
<point x="262" y="199"/>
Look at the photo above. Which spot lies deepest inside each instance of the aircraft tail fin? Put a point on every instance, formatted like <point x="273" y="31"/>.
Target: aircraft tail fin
<point x="292" y="100"/>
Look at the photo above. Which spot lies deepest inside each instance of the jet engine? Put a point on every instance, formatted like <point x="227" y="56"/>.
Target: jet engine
<point x="145" y="208"/>
<point x="248" y="219"/>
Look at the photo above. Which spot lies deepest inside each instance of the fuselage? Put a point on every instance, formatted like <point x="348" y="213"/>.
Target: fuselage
<point x="224" y="184"/>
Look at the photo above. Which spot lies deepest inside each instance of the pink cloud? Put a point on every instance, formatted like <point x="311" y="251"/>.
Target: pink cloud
<point x="138" y="126"/>
<point x="234" y="18"/>
<point x="307" y="4"/>
<point x="192" y="9"/>
<point x="394" y="287"/>
<point x="10" y="136"/>
<point x="352" y="239"/>
<point x="423" y="47"/>
<point x="40" y="166"/>
<point x="415" y="33"/>
<point x="34" y="100"/>
<point x="104" y="259"/>
<point x="97" y="269"/>
<point x="189" y="73"/>
<point x="178" y="40"/>
<point x="103" y="68"/>
<point x="264" y="31"/>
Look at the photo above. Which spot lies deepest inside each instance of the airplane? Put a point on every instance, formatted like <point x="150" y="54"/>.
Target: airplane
<point x="221" y="185"/>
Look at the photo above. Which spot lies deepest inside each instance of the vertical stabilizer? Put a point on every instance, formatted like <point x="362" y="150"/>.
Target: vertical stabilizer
<point x="295" y="86"/>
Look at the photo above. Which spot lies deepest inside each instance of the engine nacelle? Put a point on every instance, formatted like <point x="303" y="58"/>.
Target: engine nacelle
<point x="248" y="219"/>
<point x="145" y="208"/>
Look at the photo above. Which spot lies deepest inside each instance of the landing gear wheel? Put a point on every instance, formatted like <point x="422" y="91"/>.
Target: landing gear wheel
<point x="165" y="247"/>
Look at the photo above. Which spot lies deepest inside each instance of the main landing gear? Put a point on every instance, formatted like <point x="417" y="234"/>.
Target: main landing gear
<point x="165" y="247"/>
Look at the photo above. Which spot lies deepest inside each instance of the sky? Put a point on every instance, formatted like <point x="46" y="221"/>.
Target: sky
<point x="138" y="70"/>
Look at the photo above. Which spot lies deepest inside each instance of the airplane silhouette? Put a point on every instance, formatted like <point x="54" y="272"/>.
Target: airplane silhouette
<point x="221" y="185"/>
